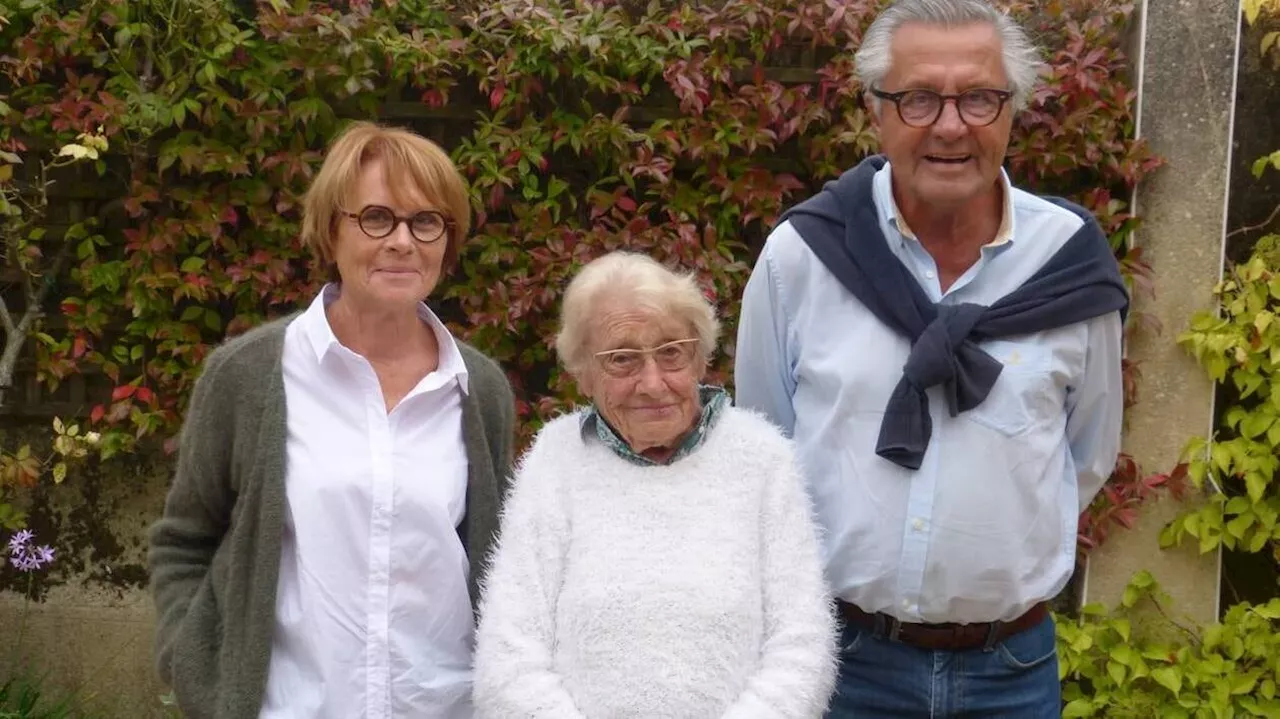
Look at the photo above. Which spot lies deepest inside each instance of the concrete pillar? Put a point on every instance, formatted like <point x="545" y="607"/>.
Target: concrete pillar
<point x="1186" y="68"/>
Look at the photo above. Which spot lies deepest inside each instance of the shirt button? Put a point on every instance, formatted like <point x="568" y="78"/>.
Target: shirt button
<point x="918" y="524"/>
<point x="929" y="274"/>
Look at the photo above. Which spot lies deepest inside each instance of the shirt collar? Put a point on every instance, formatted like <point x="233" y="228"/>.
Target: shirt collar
<point x="882" y="189"/>
<point x="315" y="325"/>
<point x="714" y="400"/>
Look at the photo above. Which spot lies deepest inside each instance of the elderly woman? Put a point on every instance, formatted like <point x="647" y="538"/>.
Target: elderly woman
<point x="340" y="471"/>
<point x="657" y="556"/>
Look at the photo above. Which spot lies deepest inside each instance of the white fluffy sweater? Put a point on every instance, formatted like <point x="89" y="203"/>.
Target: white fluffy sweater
<point x="688" y="590"/>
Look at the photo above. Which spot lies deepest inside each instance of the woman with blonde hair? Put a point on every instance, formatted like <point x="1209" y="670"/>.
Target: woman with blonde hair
<point x="340" y="471"/>
<point x="658" y="556"/>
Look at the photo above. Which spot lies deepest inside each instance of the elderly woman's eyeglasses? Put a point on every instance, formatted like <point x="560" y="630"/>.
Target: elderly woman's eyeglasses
<point x="670" y="357"/>
<point x="978" y="107"/>
<point x="377" y="222"/>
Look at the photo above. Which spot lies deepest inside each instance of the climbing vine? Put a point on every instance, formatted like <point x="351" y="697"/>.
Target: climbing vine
<point x="672" y="129"/>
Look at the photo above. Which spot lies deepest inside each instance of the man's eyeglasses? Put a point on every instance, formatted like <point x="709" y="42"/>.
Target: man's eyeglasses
<point x="377" y="222"/>
<point x="670" y="357"/>
<point x="978" y="107"/>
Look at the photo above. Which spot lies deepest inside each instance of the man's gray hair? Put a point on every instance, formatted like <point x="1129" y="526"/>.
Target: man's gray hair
<point x="1022" y="60"/>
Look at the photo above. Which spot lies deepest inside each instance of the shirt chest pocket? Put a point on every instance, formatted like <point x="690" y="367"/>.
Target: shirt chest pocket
<point x="1027" y="394"/>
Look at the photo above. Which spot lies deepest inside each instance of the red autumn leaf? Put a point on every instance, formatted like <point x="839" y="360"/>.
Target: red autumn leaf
<point x="144" y="394"/>
<point x="626" y="204"/>
<point x="95" y="415"/>
<point x="1125" y="517"/>
<point x="122" y="392"/>
<point x="495" y="97"/>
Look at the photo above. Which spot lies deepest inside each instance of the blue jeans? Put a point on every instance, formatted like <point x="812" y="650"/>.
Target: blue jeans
<point x="1014" y="679"/>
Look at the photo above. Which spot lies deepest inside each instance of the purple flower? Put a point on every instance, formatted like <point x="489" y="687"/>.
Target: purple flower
<point x="20" y="540"/>
<point x="43" y="554"/>
<point x="26" y="557"/>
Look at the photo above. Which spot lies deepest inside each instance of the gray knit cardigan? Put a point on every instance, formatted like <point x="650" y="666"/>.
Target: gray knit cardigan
<point x="215" y="554"/>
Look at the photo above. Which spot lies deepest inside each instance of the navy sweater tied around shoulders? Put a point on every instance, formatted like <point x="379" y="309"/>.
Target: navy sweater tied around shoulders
<point x="840" y="224"/>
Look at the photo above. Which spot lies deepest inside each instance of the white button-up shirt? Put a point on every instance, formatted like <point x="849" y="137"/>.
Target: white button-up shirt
<point x="986" y="527"/>
<point x="373" y="618"/>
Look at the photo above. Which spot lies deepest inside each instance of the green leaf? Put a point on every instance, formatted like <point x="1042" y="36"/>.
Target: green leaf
<point x="1077" y="708"/>
<point x="1256" y="484"/>
<point x="1270" y="40"/>
<point x="1260" y="165"/>
<point x="1082" y="644"/>
<point x="1238" y="505"/>
<point x="1094" y="609"/>
<point x="1117" y="672"/>
<point x="1168" y="677"/>
<point x="1263" y="320"/>
<point x="1251" y="8"/>
<point x="1123" y="628"/>
<point x="1221" y="455"/>
<point x="1124" y="655"/>
<point x="192" y="264"/>
<point x="1238" y="526"/>
<point x="1255" y="424"/>
<point x="1235" y="648"/>
<point x="1243" y="684"/>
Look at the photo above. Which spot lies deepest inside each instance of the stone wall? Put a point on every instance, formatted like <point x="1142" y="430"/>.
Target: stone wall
<point x="89" y="622"/>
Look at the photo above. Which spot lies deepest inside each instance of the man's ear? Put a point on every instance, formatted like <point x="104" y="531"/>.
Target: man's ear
<point x="874" y="106"/>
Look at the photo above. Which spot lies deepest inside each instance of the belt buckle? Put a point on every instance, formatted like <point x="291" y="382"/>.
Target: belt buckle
<point x="894" y="628"/>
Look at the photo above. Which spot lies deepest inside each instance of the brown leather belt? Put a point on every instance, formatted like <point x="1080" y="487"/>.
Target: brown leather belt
<point x="950" y="637"/>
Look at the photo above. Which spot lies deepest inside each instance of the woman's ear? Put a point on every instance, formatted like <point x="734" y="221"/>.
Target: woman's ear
<point x="586" y="383"/>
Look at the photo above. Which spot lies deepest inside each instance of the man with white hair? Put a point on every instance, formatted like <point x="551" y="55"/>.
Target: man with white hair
<point x="945" y="349"/>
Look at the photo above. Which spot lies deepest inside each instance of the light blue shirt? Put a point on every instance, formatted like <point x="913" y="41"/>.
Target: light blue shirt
<point x="986" y="528"/>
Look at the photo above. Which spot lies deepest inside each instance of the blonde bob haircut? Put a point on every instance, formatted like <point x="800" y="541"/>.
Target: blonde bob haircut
<point x="632" y="280"/>
<point x="409" y="161"/>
